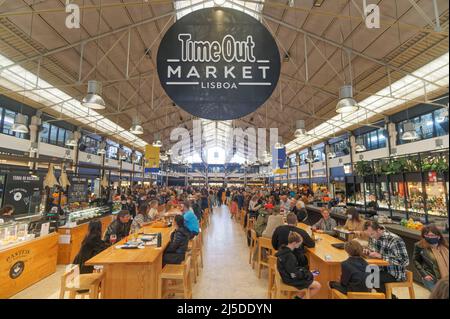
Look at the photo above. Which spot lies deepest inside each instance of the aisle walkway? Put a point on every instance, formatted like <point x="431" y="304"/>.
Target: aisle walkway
<point x="226" y="272"/>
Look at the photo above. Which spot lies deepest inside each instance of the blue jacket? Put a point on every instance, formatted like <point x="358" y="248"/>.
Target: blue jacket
<point x="191" y="222"/>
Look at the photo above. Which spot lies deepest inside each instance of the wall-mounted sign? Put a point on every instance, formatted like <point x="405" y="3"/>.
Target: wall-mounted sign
<point x="23" y="193"/>
<point x="218" y="63"/>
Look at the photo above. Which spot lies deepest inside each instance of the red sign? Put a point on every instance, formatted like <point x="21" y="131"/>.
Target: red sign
<point x="432" y="177"/>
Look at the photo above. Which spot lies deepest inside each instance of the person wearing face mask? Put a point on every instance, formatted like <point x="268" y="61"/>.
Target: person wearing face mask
<point x="431" y="256"/>
<point x="291" y="272"/>
<point x="390" y="247"/>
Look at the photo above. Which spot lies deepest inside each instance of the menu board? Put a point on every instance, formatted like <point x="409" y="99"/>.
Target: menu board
<point x="23" y="192"/>
<point x="78" y="190"/>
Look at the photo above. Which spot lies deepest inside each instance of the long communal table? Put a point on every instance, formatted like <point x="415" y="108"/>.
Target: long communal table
<point x="132" y="273"/>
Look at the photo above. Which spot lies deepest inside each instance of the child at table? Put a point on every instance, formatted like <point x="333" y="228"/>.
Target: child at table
<point x="353" y="270"/>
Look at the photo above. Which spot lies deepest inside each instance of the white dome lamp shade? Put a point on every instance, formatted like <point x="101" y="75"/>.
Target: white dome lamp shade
<point x="157" y="142"/>
<point x="360" y="147"/>
<point x="300" y="128"/>
<point x="136" y="127"/>
<point x="346" y="103"/>
<point x="409" y="132"/>
<point x="20" y="124"/>
<point x="93" y="99"/>
<point x="279" y="145"/>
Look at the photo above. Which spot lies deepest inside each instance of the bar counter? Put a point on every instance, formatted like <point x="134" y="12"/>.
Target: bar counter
<point x="327" y="259"/>
<point x="132" y="273"/>
<point x="24" y="264"/>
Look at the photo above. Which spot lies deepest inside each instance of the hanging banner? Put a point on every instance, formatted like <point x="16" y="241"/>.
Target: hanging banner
<point x="78" y="189"/>
<point x="218" y="63"/>
<point x="152" y="159"/>
<point x="279" y="160"/>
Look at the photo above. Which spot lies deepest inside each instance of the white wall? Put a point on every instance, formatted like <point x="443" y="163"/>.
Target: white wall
<point x="339" y="161"/>
<point x="370" y="155"/>
<point x="53" y="150"/>
<point x="14" y="143"/>
<point x="95" y="159"/>
<point x="421" y="146"/>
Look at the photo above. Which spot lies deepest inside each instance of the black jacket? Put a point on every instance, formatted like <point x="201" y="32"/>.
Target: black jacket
<point x="197" y="211"/>
<point x="179" y="240"/>
<point x="280" y="238"/>
<point x="301" y="214"/>
<point x="120" y="229"/>
<point x="353" y="276"/>
<point x="290" y="271"/>
<point x="88" y="250"/>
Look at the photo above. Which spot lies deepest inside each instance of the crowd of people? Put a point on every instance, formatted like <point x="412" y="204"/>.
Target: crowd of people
<point x="275" y="213"/>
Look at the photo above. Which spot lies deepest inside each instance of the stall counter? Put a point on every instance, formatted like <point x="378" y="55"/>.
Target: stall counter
<point x="26" y="263"/>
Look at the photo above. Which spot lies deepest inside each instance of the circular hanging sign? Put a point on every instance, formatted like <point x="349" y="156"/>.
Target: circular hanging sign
<point x="218" y="63"/>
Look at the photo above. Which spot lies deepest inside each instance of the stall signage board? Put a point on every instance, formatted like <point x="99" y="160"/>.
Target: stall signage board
<point x="23" y="193"/>
<point x="78" y="189"/>
<point x="218" y="63"/>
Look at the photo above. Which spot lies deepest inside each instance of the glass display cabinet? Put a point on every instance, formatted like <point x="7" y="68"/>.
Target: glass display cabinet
<point x="13" y="233"/>
<point x="84" y="215"/>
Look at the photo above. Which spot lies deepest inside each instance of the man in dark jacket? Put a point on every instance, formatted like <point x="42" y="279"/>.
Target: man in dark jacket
<point x="179" y="240"/>
<point x="119" y="227"/>
<point x="281" y="234"/>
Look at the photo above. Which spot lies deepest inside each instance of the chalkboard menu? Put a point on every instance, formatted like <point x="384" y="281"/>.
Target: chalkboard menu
<point x="78" y="189"/>
<point x="23" y="192"/>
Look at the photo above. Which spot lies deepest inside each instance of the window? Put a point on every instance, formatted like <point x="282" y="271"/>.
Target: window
<point x="54" y="135"/>
<point x="45" y="132"/>
<point x="340" y="148"/>
<point x="319" y="155"/>
<point x="374" y="139"/>
<point x="112" y="150"/>
<point x="427" y="126"/>
<point x="303" y="157"/>
<point x="89" y="144"/>
<point x="7" y="118"/>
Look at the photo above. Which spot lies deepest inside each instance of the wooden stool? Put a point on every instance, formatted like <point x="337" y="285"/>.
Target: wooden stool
<point x="193" y="252"/>
<point x="336" y="294"/>
<point x="271" y="289"/>
<point x="178" y="273"/>
<point x="283" y="290"/>
<point x="253" y="245"/>
<point x="250" y="223"/>
<point x="267" y="244"/>
<point x="81" y="284"/>
<point x="243" y="213"/>
<point x="199" y="248"/>
<point x="409" y="283"/>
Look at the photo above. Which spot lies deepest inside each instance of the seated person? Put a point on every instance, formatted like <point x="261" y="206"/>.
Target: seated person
<point x="6" y="213"/>
<point x="281" y="234"/>
<point x="300" y="211"/>
<point x="355" y="223"/>
<point x="431" y="256"/>
<point x="141" y="217"/>
<point x="389" y="247"/>
<point x="153" y="212"/>
<point x="190" y="220"/>
<point x="291" y="272"/>
<point x="274" y="220"/>
<point x="91" y="245"/>
<point x="353" y="270"/>
<point x="263" y="217"/>
<point x="120" y="227"/>
<point x="179" y="240"/>
<point x="326" y="224"/>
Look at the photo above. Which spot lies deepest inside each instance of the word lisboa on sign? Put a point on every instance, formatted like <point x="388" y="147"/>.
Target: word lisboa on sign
<point x="218" y="63"/>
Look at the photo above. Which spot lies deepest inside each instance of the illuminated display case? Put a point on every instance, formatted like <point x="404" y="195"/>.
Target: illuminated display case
<point x="84" y="215"/>
<point x="13" y="233"/>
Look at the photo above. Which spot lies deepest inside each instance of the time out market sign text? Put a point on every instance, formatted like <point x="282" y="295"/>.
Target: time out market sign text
<point x="218" y="63"/>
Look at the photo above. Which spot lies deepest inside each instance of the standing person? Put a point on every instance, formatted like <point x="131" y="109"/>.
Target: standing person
<point x="190" y="220"/>
<point x="254" y="206"/>
<point x="291" y="272"/>
<point x="178" y="245"/>
<point x="91" y="245"/>
<point x="326" y="224"/>
<point x="228" y="196"/>
<point x="353" y="270"/>
<point x="211" y="201"/>
<point x="390" y="247"/>
<point x="431" y="256"/>
<point x="234" y="209"/>
<point x="119" y="227"/>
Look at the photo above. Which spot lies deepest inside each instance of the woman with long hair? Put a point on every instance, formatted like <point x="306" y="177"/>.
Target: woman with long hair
<point x="431" y="256"/>
<point x="91" y="245"/>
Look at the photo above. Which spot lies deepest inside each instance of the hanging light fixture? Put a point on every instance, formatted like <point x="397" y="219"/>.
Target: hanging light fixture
<point x="157" y="142"/>
<point x="346" y="103"/>
<point x="20" y="124"/>
<point x="279" y="145"/>
<point x="136" y="127"/>
<point x="409" y="132"/>
<point x="101" y="148"/>
<point x="93" y="99"/>
<point x="360" y="147"/>
<point x="300" y="128"/>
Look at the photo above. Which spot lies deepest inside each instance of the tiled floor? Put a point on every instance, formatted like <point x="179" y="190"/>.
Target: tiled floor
<point x="225" y="274"/>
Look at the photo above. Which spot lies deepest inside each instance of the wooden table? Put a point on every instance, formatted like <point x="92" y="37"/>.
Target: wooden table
<point x="68" y="251"/>
<point x="327" y="260"/>
<point x="132" y="273"/>
<point x="33" y="260"/>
